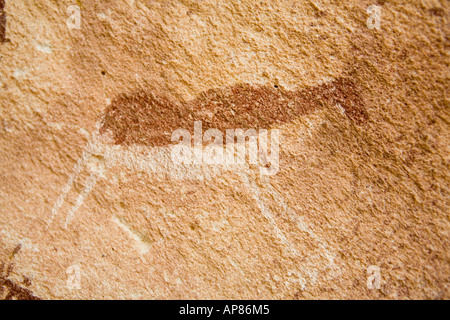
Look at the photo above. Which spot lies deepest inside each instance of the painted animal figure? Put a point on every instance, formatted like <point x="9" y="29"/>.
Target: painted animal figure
<point x="135" y="131"/>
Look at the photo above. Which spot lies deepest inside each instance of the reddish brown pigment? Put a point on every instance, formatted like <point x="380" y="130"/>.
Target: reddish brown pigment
<point x="2" y="22"/>
<point x="144" y="118"/>
<point x="10" y="290"/>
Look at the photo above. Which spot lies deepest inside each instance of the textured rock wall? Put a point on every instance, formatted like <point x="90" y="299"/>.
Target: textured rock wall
<point x="92" y="206"/>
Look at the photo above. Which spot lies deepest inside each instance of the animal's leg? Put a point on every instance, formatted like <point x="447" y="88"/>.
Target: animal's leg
<point x="108" y="161"/>
<point x="256" y="193"/>
<point x="76" y="171"/>
<point x="89" y="185"/>
<point x="303" y="226"/>
<point x="93" y="147"/>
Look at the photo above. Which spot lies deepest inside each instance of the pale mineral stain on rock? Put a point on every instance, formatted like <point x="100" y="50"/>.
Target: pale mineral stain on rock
<point x="45" y="48"/>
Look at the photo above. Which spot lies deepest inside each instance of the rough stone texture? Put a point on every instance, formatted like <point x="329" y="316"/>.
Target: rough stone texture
<point x="364" y="153"/>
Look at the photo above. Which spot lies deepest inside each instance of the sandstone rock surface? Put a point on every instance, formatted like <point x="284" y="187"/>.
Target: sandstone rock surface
<point x="91" y="206"/>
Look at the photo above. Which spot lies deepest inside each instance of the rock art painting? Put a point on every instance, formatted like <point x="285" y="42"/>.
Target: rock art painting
<point x="224" y="149"/>
<point x="9" y="289"/>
